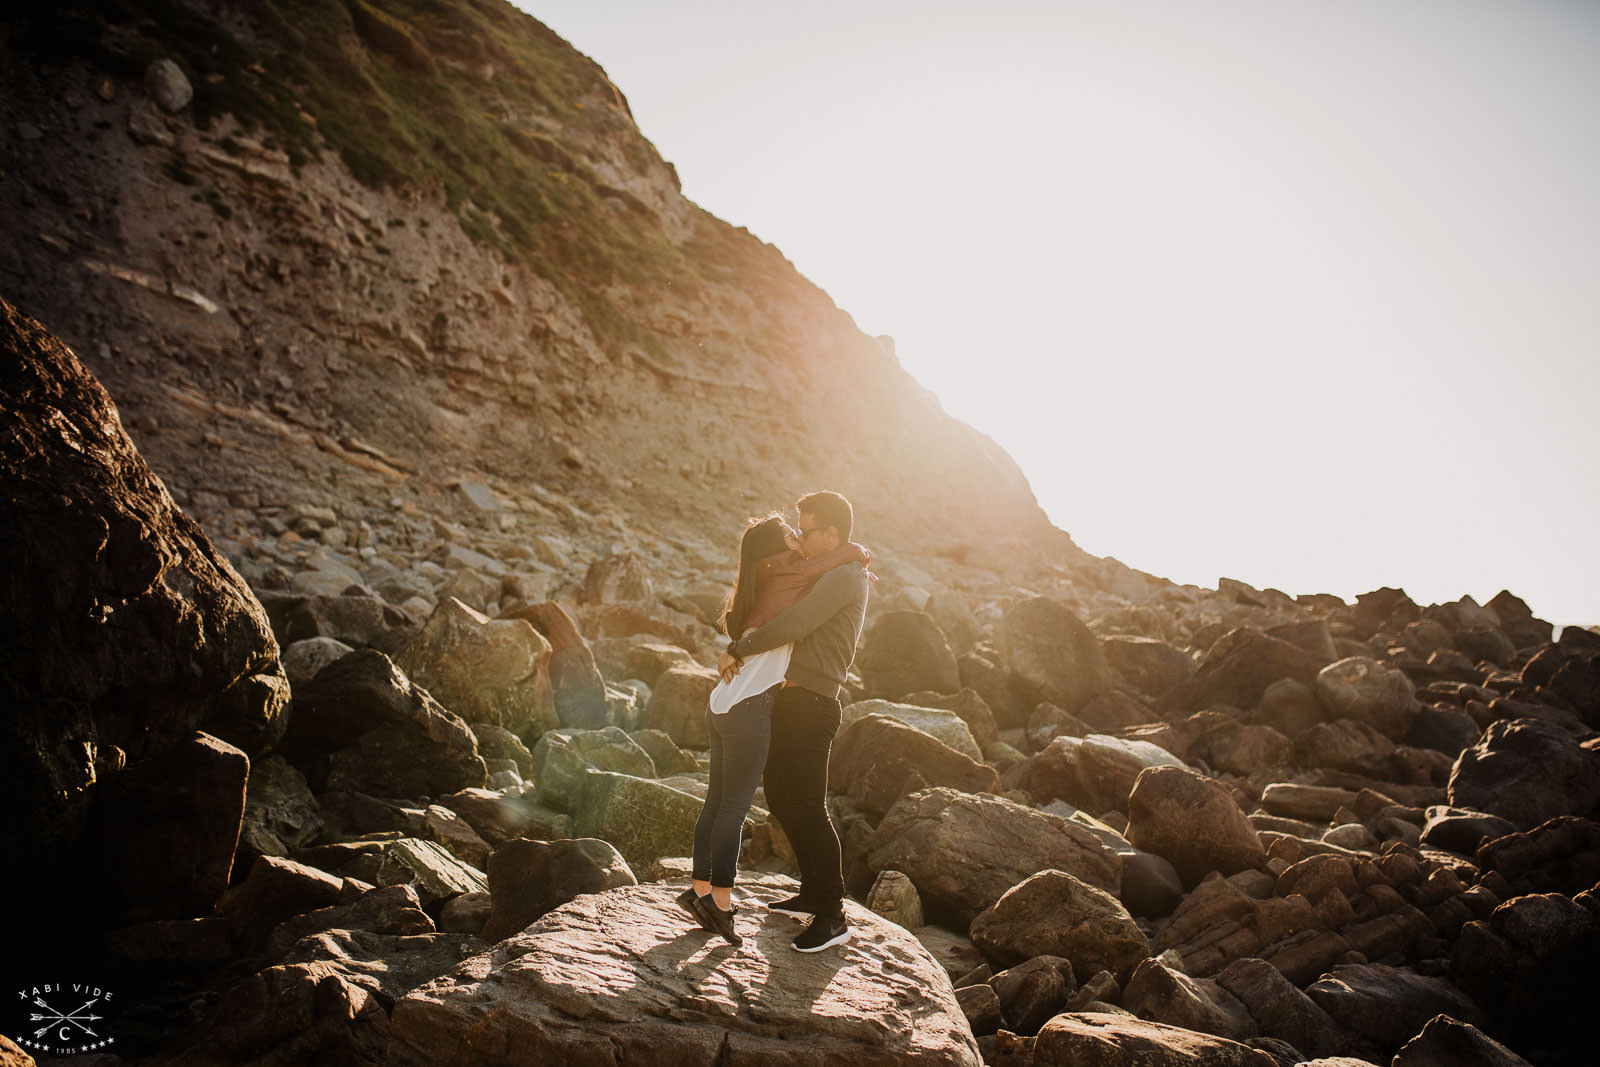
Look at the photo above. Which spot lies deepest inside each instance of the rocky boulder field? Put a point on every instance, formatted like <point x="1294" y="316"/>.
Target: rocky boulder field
<point x="415" y="782"/>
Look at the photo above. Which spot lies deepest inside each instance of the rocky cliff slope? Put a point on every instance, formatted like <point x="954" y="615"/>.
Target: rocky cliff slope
<point x="362" y="250"/>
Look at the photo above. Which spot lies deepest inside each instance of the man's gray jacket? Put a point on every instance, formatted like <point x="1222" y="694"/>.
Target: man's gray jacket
<point x="824" y="625"/>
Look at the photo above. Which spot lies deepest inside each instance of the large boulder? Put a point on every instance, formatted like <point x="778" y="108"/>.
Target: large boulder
<point x="1281" y="1010"/>
<point x="127" y="630"/>
<point x="1289" y="706"/>
<point x="967" y="704"/>
<point x="275" y="889"/>
<point x="904" y="652"/>
<point x="1447" y="1042"/>
<point x="621" y="577"/>
<point x="165" y="831"/>
<point x="1193" y="822"/>
<point x="580" y="692"/>
<point x="1102" y="1039"/>
<point x="358" y="620"/>
<point x="361" y="725"/>
<point x="1313" y="635"/>
<point x="1165" y="995"/>
<point x="623" y="977"/>
<point x="484" y="670"/>
<point x="429" y="868"/>
<point x="948" y="727"/>
<point x="1532" y="963"/>
<point x="1365" y="690"/>
<point x="1561" y="856"/>
<point x="964" y="851"/>
<point x="387" y="965"/>
<point x="1033" y="991"/>
<point x="1237" y="670"/>
<point x="1053" y="913"/>
<point x="678" y="702"/>
<point x="1388" y="1005"/>
<point x="644" y="819"/>
<point x="390" y="909"/>
<point x="1149" y="665"/>
<point x="292" y="1013"/>
<point x="1051" y="651"/>
<point x="280" y="812"/>
<point x="1009" y="698"/>
<point x="1518" y="621"/>
<point x="1527" y="771"/>
<point x="529" y="879"/>
<point x="1095" y="773"/>
<point x="878" y="759"/>
<point x="303" y="659"/>
<point x="500" y="817"/>
<point x="1344" y="744"/>
<point x="1462" y="830"/>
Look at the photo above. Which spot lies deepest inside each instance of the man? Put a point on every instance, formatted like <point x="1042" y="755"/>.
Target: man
<point x="824" y="626"/>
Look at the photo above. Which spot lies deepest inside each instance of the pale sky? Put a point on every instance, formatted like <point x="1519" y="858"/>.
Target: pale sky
<point x="1301" y="293"/>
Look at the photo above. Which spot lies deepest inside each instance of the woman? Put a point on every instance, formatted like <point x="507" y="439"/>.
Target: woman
<point x="773" y="574"/>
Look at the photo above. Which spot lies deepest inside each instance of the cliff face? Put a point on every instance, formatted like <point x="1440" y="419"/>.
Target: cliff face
<point x="390" y="245"/>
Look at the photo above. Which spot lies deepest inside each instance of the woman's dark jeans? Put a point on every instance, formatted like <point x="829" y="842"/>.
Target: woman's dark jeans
<point x="739" y="742"/>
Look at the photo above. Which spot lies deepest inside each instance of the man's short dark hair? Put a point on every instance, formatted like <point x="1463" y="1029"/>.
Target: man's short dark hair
<point x="831" y="508"/>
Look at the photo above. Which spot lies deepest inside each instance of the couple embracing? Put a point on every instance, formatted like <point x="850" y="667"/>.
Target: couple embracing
<point x="793" y="620"/>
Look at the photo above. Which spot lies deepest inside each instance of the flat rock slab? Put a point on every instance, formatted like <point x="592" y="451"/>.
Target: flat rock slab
<point x="623" y="977"/>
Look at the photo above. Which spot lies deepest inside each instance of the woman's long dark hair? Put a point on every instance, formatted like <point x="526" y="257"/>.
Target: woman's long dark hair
<point x="762" y="538"/>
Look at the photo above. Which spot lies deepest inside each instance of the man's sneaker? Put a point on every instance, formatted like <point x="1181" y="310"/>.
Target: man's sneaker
<point x="798" y="906"/>
<point x="716" y="920"/>
<point x="685" y="900"/>
<point x="824" y="931"/>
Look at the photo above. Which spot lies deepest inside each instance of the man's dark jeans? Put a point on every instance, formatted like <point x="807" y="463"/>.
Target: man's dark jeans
<point x="803" y="727"/>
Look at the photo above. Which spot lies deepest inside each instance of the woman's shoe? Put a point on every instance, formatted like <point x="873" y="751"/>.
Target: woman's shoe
<point x="686" y="899"/>
<point x="716" y="920"/>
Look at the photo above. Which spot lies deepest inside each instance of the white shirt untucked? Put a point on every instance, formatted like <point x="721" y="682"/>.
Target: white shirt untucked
<point x="760" y="672"/>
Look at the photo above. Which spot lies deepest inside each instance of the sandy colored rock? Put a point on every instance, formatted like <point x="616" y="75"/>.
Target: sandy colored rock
<point x="1368" y="691"/>
<point x="948" y="726"/>
<point x="1096" y="772"/>
<point x="575" y="681"/>
<point x="1099" y="1039"/>
<point x="626" y="976"/>
<point x="1054" y="913"/>
<point x="878" y="759"/>
<point x="678" y="704"/>
<point x="1163" y="994"/>
<point x="964" y="850"/>
<point x="1193" y="822"/>
<point x="1237" y="670"/>
<point x="903" y="652"/>
<point x="1149" y="665"/>
<point x="1051" y="651"/>
<point x="482" y="669"/>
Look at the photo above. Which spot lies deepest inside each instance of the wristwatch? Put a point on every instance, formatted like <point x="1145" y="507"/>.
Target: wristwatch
<point x="730" y="650"/>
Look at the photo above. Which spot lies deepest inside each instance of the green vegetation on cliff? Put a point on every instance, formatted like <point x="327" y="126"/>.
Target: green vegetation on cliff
<point x="472" y="97"/>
